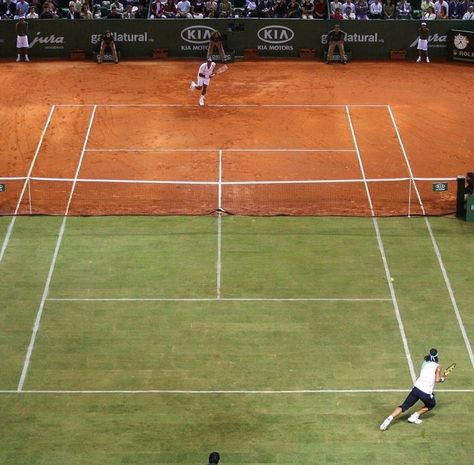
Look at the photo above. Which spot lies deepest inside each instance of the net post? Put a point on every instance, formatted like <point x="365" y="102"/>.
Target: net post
<point x="461" y="188"/>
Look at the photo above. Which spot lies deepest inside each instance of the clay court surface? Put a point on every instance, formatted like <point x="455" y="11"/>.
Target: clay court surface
<point x="264" y="122"/>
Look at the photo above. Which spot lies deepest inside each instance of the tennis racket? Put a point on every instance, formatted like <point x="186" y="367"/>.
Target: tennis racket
<point x="222" y="69"/>
<point x="449" y="369"/>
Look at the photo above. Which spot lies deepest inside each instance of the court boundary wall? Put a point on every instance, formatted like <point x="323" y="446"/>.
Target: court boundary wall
<point x="189" y="38"/>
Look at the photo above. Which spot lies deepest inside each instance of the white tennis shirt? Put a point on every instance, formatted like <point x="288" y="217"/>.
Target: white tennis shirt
<point x="426" y="380"/>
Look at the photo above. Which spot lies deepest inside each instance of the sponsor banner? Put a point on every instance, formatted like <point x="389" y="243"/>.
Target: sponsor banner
<point x="190" y="38"/>
<point x="461" y="45"/>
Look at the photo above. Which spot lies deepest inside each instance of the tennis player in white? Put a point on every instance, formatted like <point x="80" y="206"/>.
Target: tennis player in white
<point x="206" y="71"/>
<point x="422" y="390"/>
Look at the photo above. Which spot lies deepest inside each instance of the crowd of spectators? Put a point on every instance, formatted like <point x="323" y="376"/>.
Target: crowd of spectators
<point x="305" y="9"/>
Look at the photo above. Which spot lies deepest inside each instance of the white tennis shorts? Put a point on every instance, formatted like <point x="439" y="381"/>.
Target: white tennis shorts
<point x="201" y="81"/>
<point x="21" y="41"/>
<point x="422" y="44"/>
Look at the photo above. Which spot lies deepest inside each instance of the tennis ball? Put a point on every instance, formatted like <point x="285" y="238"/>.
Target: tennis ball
<point x="392" y="279"/>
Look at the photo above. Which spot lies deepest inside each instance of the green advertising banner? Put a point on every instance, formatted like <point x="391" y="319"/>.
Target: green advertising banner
<point x="461" y="45"/>
<point x="189" y="38"/>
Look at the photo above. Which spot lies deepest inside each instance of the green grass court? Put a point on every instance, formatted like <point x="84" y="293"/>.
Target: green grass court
<point x="253" y="311"/>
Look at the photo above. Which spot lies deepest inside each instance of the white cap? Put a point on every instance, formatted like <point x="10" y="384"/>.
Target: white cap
<point x="423" y="24"/>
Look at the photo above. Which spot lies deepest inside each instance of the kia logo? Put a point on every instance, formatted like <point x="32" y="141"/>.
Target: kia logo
<point x="275" y="34"/>
<point x="197" y="34"/>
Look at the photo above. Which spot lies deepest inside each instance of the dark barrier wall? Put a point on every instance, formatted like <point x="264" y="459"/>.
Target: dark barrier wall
<point x="187" y="38"/>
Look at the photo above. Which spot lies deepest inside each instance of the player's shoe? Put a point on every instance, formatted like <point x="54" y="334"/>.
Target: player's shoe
<point x="415" y="419"/>
<point x="427" y="60"/>
<point x="385" y="423"/>
<point x="418" y="60"/>
<point x="27" y="59"/>
<point x="192" y="86"/>
<point x="201" y="101"/>
<point x="18" y="59"/>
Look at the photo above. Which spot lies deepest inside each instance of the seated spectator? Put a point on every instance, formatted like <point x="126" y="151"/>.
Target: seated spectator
<point x="337" y="15"/>
<point x="210" y="8"/>
<point x="348" y="14"/>
<point x="86" y="13"/>
<point x="23" y="7"/>
<point x="348" y="3"/>
<point x="438" y="4"/>
<point x="362" y="10"/>
<point x="225" y="9"/>
<point x="443" y="14"/>
<point x="32" y="13"/>
<point x="251" y="8"/>
<point x="8" y="9"/>
<point x="376" y="10"/>
<point x="388" y="10"/>
<point x="334" y="5"/>
<point x="294" y="9"/>
<point x="114" y="14"/>
<point x="169" y="9"/>
<point x="470" y="13"/>
<point x="55" y="11"/>
<point x="279" y="9"/>
<point x="429" y="14"/>
<point x="307" y="9"/>
<point x="46" y="13"/>
<point x="197" y="9"/>
<point x="140" y="13"/>
<point x="72" y="13"/>
<point x="184" y="9"/>
<point x="118" y="6"/>
<point x="425" y="4"/>
<point x="320" y="9"/>
<point x="403" y="10"/>
<point x="461" y="8"/>
<point x="97" y="13"/>
<point x="129" y="13"/>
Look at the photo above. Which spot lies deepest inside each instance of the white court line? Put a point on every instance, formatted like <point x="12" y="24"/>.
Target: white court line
<point x="435" y="247"/>
<point x="44" y="297"/>
<point x="223" y="105"/>
<point x="219" y="230"/>
<point x="159" y="150"/>
<point x="213" y="299"/>
<point x="221" y="391"/>
<point x="8" y="234"/>
<point x="381" y="247"/>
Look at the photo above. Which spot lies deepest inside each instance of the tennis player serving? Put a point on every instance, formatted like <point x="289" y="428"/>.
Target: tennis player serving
<point x="206" y="71"/>
<point x="422" y="390"/>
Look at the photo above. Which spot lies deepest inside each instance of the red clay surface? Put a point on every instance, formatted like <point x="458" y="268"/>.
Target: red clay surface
<point x="161" y="134"/>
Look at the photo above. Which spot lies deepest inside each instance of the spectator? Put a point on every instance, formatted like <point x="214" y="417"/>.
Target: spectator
<point x="32" y="13"/>
<point x="336" y="39"/>
<point x="107" y="40"/>
<point x="452" y="8"/>
<point x="157" y="9"/>
<point x="429" y="14"/>
<point x="320" y="9"/>
<point x="348" y="3"/>
<point x="118" y="6"/>
<point x="210" y="8"/>
<point x="129" y="13"/>
<point x="307" y="9"/>
<point x="334" y="5"/>
<point x="8" y="9"/>
<point x="140" y="13"/>
<point x="438" y="4"/>
<point x="264" y="8"/>
<point x="348" y="14"/>
<point x="403" y="10"/>
<point x="461" y="8"/>
<point x="470" y="13"/>
<point x="376" y="10"/>
<point x="443" y="14"/>
<point x="55" y="11"/>
<point x="425" y="4"/>
<point x="251" y="8"/>
<point x="225" y="9"/>
<point x="169" y="9"/>
<point x="388" y="10"/>
<point x="337" y="15"/>
<point x="114" y="14"/>
<point x="46" y="13"/>
<point x="279" y="9"/>
<point x="97" y="14"/>
<point x="23" y="7"/>
<point x="184" y="9"/>
<point x="362" y="9"/>
<point x="73" y="13"/>
<point x="294" y="9"/>
<point x="86" y="12"/>
<point x="197" y="9"/>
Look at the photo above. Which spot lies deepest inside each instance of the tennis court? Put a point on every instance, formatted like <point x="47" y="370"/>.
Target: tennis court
<point x="273" y="339"/>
